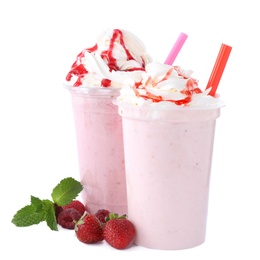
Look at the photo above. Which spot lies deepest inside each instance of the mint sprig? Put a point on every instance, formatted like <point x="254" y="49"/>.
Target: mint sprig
<point x="50" y="216"/>
<point x="66" y="191"/>
<point x="28" y="215"/>
<point x="44" y="210"/>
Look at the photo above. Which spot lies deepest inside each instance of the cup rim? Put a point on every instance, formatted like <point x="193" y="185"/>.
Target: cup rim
<point x="92" y="91"/>
<point x="168" y="107"/>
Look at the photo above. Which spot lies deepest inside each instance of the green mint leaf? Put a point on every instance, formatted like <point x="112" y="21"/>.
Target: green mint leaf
<point x="28" y="215"/>
<point x="67" y="190"/>
<point x="50" y="216"/>
<point x="37" y="203"/>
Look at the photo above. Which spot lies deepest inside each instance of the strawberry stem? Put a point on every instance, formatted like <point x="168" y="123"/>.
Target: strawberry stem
<point x="115" y="216"/>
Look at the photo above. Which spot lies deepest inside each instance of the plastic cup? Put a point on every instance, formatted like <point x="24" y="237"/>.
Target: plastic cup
<point x="100" y="149"/>
<point x="168" y="155"/>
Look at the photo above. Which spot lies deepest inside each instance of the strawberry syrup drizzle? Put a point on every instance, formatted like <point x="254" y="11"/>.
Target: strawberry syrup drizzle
<point x="177" y="69"/>
<point x="191" y="88"/>
<point x="78" y="68"/>
<point x="80" y="71"/>
<point x="108" y="54"/>
<point x="105" y="83"/>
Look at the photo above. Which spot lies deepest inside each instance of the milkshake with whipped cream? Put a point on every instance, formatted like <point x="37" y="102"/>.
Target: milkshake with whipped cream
<point x="94" y="81"/>
<point x="168" y="129"/>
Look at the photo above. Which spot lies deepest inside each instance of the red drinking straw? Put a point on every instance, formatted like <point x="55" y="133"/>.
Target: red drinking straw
<point x="176" y="48"/>
<point x="218" y="69"/>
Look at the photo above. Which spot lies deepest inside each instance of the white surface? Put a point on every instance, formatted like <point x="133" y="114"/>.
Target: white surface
<point x="39" y="42"/>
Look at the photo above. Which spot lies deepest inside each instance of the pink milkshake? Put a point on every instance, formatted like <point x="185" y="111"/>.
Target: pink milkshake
<point x="168" y="129"/>
<point x="100" y="150"/>
<point x="95" y="80"/>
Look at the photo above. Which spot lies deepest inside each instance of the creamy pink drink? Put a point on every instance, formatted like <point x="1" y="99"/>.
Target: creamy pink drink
<point x="95" y="80"/>
<point x="168" y="128"/>
<point x="100" y="150"/>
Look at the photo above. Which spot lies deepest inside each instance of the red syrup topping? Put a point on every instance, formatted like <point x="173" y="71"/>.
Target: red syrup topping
<point x="79" y="70"/>
<point x="108" y="54"/>
<point x="191" y="88"/>
<point x="106" y="83"/>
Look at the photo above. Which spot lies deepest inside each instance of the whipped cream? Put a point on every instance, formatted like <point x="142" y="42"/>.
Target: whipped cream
<point x="163" y="86"/>
<point x="118" y="55"/>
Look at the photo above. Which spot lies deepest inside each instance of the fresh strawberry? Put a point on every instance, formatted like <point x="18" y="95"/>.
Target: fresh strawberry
<point x="76" y="204"/>
<point x="102" y="215"/>
<point x="89" y="229"/>
<point x="68" y="217"/>
<point x="119" y="232"/>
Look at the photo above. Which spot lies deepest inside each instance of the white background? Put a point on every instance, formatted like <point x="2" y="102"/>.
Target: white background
<point x="39" y="42"/>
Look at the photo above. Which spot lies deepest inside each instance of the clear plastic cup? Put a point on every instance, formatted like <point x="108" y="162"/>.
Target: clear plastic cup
<point x="100" y="149"/>
<point x="168" y="155"/>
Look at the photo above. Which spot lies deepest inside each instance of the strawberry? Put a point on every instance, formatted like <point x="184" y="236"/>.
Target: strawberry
<point x="76" y="204"/>
<point x="89" y="229"/>
<point x="119" y="232"/>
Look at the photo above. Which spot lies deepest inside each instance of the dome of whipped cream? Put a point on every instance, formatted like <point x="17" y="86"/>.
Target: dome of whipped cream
<point x="165" y="85"/>
<point x="117" y="55"/>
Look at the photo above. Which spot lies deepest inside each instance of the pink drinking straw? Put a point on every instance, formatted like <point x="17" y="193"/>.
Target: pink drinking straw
<point x="218" y="68"/>
<point x="176" y="48"/>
